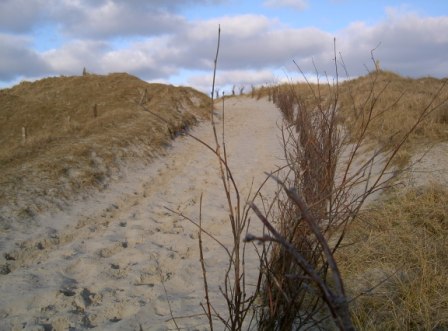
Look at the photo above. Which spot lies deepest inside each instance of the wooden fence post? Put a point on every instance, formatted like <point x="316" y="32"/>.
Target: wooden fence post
<point x="23" y="134"/>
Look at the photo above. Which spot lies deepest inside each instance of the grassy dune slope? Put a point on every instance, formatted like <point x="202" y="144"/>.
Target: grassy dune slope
<point x="394" y="255"/>
<point x="79" y="130"/>
<point x="397" y="258"/>
<point x="397" y="102"/>
<point x="396" y="249"/>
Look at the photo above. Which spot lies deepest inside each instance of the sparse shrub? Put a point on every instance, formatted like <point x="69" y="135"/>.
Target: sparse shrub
<point x="329" y="179"/>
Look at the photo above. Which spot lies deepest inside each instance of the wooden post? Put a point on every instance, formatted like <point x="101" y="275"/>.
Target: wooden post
<point x="23" y="134"/>
<point x="143" y="97"/>
<point x="377" y="65"/>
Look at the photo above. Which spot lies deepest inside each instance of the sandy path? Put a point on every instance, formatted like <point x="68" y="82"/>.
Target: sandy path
<point x="101" y="263"/>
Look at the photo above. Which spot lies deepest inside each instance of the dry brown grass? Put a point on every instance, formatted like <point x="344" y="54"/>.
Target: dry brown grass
<point x="402" y="242"/>
<point x="397" y="103"/>
<point x="405" y="237"/>
<point x="80" y="129"/>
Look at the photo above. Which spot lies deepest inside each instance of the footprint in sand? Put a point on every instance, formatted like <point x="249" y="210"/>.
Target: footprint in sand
<point x="112" y="250"/>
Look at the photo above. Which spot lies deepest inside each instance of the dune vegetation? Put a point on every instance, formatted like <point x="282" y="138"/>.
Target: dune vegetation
<point x="390" y="250"/>
<point x="62" y="135"/>
<point x="331" y="255"/>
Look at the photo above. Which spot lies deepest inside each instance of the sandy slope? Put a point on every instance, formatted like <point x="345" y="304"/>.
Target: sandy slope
<point x="101" y="263"/>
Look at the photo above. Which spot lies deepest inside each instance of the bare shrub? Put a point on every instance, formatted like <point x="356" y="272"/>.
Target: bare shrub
<point x="331" y="175"/>
<point x="239" y="300"/>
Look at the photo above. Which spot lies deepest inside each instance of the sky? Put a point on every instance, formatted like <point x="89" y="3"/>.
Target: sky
<point x="262" y="42"/>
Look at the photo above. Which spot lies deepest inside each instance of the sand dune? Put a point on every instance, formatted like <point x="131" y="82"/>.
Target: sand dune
<point x="119" y="260"/>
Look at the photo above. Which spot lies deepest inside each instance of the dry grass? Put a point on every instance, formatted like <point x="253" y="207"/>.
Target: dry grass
<point x="402" y="237"/>
<point x="402" y="242"/>
<point x="80" y="130"/>
<point x="301" y="281"/>
<point x="397" y="102"/>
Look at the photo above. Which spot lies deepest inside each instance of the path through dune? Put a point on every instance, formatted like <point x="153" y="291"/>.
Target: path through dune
<point x="101" y="263"/>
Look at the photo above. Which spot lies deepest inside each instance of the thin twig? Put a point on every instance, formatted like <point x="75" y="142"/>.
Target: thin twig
<point x="162" y="280"/>
<point x="204" y="272"/>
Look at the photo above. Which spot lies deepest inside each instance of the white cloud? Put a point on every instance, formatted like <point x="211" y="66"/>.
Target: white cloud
<point x="19" y="16"/>
<point x="229" y="78"/>
<point x="410" y="44"/>
<point x="96" y="18"/>
<point x="18" y="59"/>
<point x="299" y="5"/>
<point x="74" y="56"/>
<point x="118" y="18"/>
<point x="251" y="45"/>
<point x="145" y="59"/>
<point x="247" y="41"/>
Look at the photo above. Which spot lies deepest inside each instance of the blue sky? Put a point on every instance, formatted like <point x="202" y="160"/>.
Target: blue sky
<point x="174" y="41"/>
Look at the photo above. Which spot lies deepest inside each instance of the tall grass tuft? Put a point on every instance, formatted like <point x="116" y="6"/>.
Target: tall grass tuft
<point x="400" y="243"/>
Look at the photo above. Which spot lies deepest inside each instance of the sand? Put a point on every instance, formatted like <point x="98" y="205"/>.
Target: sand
<point x="429" y="165"/>
<point x="119" y="260"/>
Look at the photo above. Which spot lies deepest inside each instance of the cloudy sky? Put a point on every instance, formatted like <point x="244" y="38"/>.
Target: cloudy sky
<point x="174" y="41"/>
